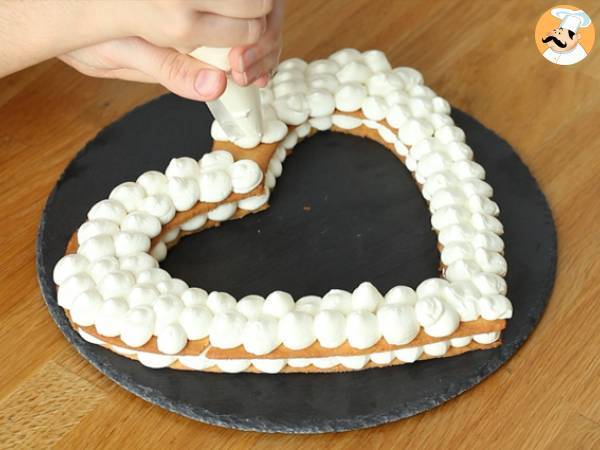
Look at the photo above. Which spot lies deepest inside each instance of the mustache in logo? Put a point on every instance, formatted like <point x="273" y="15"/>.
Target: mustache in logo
<point x="555" y="40"/>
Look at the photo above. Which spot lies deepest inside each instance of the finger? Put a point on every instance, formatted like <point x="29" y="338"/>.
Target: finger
<point x="258" y="69"/>
<point x="241" y="9"/>
<point x="180" y="73"/>
<point x="261" y="81"/>
<point x="241" y="58"/>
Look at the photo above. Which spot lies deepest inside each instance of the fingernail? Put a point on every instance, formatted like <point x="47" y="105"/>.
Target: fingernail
<point x="248" y="58"/>
<point x="207" y="83"/>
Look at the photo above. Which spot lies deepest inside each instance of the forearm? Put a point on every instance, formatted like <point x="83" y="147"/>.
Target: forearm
<point x="32" y="31"/>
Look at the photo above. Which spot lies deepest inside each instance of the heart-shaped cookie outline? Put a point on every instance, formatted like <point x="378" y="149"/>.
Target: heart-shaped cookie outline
<point x="444" y="151"/>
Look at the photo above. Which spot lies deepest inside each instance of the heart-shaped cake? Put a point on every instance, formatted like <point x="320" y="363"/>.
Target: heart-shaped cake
<point x="115" y="295"/>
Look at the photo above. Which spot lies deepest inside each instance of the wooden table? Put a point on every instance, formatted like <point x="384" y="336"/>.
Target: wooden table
<point x="481" y="56"/>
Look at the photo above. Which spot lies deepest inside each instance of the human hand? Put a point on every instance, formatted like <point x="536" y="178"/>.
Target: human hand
<point x="148" y="57"/>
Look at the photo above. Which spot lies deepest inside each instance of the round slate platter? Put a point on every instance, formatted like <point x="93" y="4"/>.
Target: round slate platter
<point x="345" y="210"/>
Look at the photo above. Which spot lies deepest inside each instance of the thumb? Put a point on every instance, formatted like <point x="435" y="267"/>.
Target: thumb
<point x="178" y="72"/>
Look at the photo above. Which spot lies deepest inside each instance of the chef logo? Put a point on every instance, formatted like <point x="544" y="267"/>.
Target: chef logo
<point x="565" y="35"/>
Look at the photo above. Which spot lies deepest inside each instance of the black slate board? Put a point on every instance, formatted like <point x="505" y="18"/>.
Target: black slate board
<point x="344" y="211"/>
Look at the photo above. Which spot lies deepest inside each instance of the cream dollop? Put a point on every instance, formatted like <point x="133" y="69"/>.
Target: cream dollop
<point x="129" y="194"/>
<point x="195" y="321"/>
<point x="216" y="160"/>
<point x="223" y="212"/>
<point x="93" y="228"/>
<point x="195" y="223"/>
<point x="278" y="304"/>
<point x="350" y="97"/>
<point x="108" y="210"/>
<point x="215" y="186"/>
<point x="184" y="192"/>
<point x="337" y="300"/>
<point x="398" y="323"/>
<point x="171" y="339"/>
<point x="129" y="243"/>
<point x="226" y="329"/>
<point x="160" y="206"/>
<point x="220" y="302"/>
<point x="97" y="247"/>
<point x="85" y="307"/>
<point x="167" y="307"/>
<point x="153" y="182"/>
<point x="366" y="297"/>
<point x="260" y="335"/>
<point x="141" y="222"/>
<point x="143" y="294"/>
<point x="110" y="317"/>
<point x="402" y="295"/>
<point x="362" y="329"/>
<point x="69" y="265"/>
<point x="137" y="326"/>
<point x="245" y="176"/>
<point x="251" y="306"/>
<point x="296" y="330"/>
<point x="330" y="328"/>
<point x="495" y="306"/>
<point x="117" y="284"/>
<point x="183" y="167"/>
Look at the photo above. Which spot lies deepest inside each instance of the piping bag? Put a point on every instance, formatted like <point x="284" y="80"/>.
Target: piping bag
<point x="238" y="110"/>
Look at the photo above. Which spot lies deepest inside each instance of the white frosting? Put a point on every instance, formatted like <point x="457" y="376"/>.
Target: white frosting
<point x="253" y="203"/>
<point x="194" y="297"/>
<point x="167" y="307"/>
<point x="362" y="329"/>
<point x="109" y="319"/>
<point x="155" y="361"/>
<point x="261" y="335"/>
<point x="330" y="328"/>
<point x="142" y="294"/>
<point x="93" y="228"/>
<point x="195" y="223"/>
<point x="366" y="297"/>
<point x="223" y="212"/>
<point x="153" y="182"/>
<point x="337" y="300"/>
<point x="129" y="243"/>
<point x="219" y="302"/>
<point x="398" y="323"/>
<point x="141" y="222"/>
<point x="269" y="365"/>
<point x="437" y="348"/>
<point x="129" y="194"/>
<point x="245" y="176"/>
<point x="85" y="307"/>
<point x="97" y="247"/>
<point x="195" y="320"/>
<point x="402" y="295"/>
<point x="278" y="304"/>
<point x="137" y="326"/>
<point x="160" y="206"/>
<point x="69" y="265"/>
<point x="215" y="186"/>
<point x="296" y="330"/>
<point x="350" y="97"/>
<point x="184" y="193"/>
<point x="226" y="329"/>
<point x="251" y="306"/>
<point x="171" y="339"/>
<point x="113" y="281"/>
<point x="216" y="160"/>
<point x="408" y="355"/>
<point x="184" y="167"/>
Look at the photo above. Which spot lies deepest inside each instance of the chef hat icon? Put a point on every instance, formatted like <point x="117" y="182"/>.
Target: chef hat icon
<point x="571" y="19"/>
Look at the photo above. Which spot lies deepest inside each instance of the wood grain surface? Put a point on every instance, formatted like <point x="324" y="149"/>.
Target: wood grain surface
<point x="481" y="56"/>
